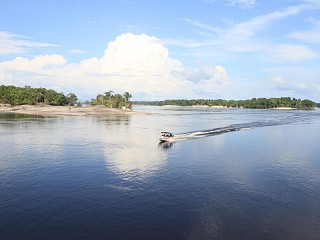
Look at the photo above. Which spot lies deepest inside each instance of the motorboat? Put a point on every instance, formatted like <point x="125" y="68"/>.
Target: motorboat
<point x="166" y="136"/>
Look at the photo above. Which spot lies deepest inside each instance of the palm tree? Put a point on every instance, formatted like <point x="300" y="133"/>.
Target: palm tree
<point x="127" y="96"/>
<point x="109" y="95"/>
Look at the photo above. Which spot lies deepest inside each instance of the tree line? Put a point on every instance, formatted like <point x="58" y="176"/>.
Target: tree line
<point x="113" y="100"/>
<point x="34" y="96"/>
<point x="250" y="103"/>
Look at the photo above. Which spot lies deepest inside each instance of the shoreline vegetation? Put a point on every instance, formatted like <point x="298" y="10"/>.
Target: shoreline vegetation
<point x="16" y="96"/>
<point x="254" y="103"/>
<point x="40" y="101"/>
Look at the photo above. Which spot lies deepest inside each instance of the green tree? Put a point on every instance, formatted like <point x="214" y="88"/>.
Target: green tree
<point x="71" y="99"/>
<point x="109" y="99"/>
<point x="127" y="96"/>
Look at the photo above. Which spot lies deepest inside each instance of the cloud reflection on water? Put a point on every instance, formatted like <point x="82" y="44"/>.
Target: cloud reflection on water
<point x="132" y="153"/>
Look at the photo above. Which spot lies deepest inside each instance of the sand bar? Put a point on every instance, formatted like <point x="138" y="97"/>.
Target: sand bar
<point x="66" y="110"/>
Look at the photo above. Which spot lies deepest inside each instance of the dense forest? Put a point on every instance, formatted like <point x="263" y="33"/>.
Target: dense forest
<point x="252" y="103"/>
<point x="109" y="99"/>
<point x="33" y="96"/>
<point x="36" y="96"/>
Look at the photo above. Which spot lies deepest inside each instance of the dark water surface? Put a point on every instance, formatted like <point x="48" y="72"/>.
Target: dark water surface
<point x="109" y="178"/>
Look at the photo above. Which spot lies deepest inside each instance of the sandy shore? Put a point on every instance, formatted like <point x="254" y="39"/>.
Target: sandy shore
<point x="285" y="108"/>
<point x="65" y="110"/>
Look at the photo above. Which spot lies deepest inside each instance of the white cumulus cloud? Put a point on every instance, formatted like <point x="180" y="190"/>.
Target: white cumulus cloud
<point x="140" y="64"/>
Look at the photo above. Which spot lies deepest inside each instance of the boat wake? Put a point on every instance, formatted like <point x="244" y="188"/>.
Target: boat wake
<point x="206" y="133"/>
<point x="227" y="129"/>
<point x="291" y="118"/>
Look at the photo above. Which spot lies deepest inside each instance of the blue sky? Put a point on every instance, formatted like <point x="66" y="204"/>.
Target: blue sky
<point x="230" y="49"/>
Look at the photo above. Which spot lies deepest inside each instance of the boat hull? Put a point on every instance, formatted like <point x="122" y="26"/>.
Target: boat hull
<point x="165" y="139"/>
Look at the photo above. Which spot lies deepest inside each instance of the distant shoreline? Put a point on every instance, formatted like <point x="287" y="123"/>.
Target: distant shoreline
<point x="49" y="110"/>
<point x="277" y="108"/>
<point x="254" y="103"/>
<point x="226" y="107"/>
<point x="219" y="106"/>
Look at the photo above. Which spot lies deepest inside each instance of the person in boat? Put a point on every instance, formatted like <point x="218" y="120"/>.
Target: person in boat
<point x="167" y="134"/>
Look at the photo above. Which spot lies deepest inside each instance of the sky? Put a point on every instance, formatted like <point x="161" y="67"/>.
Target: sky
<point x="168" y="49"/>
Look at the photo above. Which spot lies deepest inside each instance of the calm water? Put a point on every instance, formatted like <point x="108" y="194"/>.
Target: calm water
<point x="109" y="178"/>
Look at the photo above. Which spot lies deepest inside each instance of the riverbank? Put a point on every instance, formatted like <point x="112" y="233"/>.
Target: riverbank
<point x="66" y="110"/>
<point x="207" y="106"/>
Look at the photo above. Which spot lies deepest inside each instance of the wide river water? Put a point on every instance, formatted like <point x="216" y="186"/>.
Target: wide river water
<point x="235" y="174"/>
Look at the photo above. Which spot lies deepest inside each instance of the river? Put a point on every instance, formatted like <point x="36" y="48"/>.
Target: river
<point x="109" y="178"/>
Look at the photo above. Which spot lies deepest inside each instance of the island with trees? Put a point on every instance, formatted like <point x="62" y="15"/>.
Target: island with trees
<point x="40" y="101"/>
<point x="111" y="100"/>
<point x="259" y="103"/>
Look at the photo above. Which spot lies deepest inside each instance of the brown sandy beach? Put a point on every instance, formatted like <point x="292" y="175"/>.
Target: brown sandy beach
<point x="65" y="110"/>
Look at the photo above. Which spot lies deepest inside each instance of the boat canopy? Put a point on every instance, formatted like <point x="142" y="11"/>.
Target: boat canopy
<point x="167" y="133"/>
